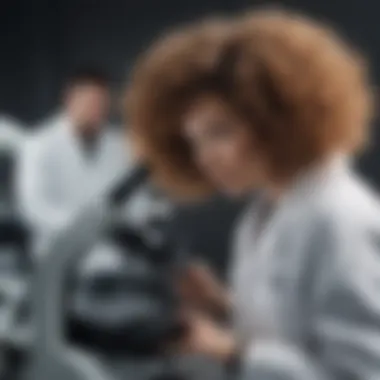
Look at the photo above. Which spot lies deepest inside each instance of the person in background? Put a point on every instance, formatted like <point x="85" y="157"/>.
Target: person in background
<point x="277" y="102"/>
<point x="72" y="160"/>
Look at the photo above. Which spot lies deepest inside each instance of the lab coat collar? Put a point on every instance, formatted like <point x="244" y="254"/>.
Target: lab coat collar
<point x="311" y="179"/>
<point x="64" y="125"/>
<point x="304" y="185"/>
<point x="67" y="128"/>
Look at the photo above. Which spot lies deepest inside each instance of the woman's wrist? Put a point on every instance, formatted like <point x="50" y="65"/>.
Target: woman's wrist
<point x="227" y="349"/>
<point x="219" y="307"/>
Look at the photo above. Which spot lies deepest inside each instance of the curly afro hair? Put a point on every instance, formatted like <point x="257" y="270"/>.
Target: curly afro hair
<point x="304" y="92"/>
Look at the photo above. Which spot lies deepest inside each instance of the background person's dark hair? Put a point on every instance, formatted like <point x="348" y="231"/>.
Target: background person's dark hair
<point x="88" y="75"/>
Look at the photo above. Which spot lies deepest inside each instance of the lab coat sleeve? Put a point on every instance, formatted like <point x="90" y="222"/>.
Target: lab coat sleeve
<point x="36" y="198"/>
<point x="343" y="311"/>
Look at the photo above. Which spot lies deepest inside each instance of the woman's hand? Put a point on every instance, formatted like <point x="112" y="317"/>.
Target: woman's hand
<point x="201" y="289"/>
<point x="206" y="337"/>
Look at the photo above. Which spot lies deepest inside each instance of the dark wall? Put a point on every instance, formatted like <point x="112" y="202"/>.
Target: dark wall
<point x="42" y="40"/>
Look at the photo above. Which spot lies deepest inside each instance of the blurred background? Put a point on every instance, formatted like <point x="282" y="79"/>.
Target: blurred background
<point x="55" y="55"/>
<point x="42" y="42"/>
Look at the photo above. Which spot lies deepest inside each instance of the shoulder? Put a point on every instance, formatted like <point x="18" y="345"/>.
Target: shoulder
<point x="345" y="206"/>
<point x="351" y="206"/>
<point x="50" y="129"/>
<point x="41" y="141"/>
<point x="346" y="259"/>
<point x="337" y="224"/>
<point x="342" y="231"/>
<point x="41" y="144"/>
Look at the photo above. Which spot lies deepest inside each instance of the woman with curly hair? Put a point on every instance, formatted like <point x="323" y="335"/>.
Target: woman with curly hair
<point x="277" y="102"/>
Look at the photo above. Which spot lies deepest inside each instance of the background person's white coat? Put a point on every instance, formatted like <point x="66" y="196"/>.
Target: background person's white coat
<point x="56" y="178"/>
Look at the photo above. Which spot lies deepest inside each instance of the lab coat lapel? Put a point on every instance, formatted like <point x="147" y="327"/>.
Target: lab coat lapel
<point x="284" y="241"/>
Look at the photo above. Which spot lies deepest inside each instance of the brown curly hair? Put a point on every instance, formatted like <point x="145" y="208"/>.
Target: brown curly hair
<point x="303" y="91"/>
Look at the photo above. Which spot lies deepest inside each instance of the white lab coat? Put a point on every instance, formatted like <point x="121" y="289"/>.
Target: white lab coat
<point x="12" y="136"/>
<point x="306" y="286"/>
<point x="56" y="178"/>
